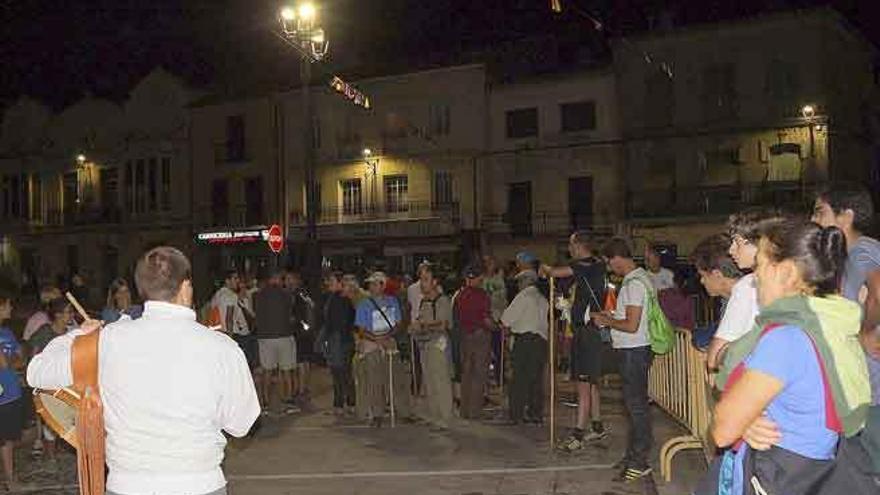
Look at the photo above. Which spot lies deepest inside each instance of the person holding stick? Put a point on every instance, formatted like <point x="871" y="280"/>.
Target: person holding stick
<point x="586" y="348"/>
<point x="378" y="318"/>
<point x="169" y="387"/>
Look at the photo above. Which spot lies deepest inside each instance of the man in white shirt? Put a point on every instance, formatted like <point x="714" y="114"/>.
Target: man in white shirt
<point x="226" y="300"/>
<point x="526" y="317"/>
<point x="414" y="298"/>
<point x="721" y="278"/>
<point x="169" y="387"/>
<point x="662" y="278"/>
<point x="629" y="337"/>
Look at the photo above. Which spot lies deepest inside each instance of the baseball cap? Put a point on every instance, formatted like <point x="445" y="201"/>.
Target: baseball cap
<point x="377" y="277"/>
<point x="526" y="257"/>
<point x="472" y="271"/>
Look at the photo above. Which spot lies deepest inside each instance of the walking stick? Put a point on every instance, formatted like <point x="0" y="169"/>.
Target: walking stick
<point x="552" y="362"/>
<point x="391" y="385"/>
<point x="501" y="364"/>
<point x="77" y="306"/>
<point x="412" y="361"/>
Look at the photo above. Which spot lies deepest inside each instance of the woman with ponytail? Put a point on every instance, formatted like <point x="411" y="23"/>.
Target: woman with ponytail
<point x="799" y="374"/>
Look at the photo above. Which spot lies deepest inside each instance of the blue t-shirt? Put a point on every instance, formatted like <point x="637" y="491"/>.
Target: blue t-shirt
<point x="10" y="347"/>
<point x="370" y="319"/>
<point x="787" y="354"/>
<point x="862" y="259"/>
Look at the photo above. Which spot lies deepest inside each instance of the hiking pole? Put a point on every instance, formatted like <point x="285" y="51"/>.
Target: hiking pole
<point x="391" y="385"/>
<point x="552" y="363"/>
<point x="501" y="364"/>
<point x="412" y="361"/>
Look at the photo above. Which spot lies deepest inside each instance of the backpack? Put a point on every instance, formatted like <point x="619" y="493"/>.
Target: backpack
<point x="661" y="332"/>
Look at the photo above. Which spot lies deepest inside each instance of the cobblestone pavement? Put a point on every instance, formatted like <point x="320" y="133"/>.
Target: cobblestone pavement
<point x="315" y="453"/>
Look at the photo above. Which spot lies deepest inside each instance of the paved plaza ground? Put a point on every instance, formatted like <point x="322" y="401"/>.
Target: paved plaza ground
<point x="314" y="453"/>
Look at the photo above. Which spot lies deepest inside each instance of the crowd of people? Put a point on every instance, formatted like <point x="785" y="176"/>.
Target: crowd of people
<point x="795" y="358"/>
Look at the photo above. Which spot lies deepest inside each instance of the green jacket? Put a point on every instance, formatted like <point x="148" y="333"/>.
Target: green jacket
<point x="833" y="324"/>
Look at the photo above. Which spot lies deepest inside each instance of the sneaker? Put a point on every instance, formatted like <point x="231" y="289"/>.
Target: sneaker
<point x="570" y="444"/>
<point x="594" y="436"/>
<point x="292" y="410"/>
<point x="630" y="474"/>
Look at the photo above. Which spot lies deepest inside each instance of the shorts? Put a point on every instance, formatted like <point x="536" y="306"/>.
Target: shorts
<point x="12" y="420"/>
<point x="248" y="345"/>
<point x="278" y="353"/>
<point x="586" y="354"/>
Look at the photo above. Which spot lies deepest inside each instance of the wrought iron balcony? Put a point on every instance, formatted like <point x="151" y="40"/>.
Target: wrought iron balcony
<point x="717" y="200"/>
<point x="541" y="224"/>
<point x="410" y="219"/>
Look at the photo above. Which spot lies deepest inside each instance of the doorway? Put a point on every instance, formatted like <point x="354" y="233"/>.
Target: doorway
<point x="580" y="203"/>
<point x="519" y="209"/>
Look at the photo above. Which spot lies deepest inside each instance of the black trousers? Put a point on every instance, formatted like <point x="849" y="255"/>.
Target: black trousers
<point x="634" y="365"/>
<point x="343" y="385"/>
<point x="527" y="387"/>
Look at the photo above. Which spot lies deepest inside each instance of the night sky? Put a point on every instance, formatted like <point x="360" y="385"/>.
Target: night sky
<point x="59" y="50"/>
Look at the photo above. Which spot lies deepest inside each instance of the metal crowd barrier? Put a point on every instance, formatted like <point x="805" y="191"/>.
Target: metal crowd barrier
<point x="679" y="383"/>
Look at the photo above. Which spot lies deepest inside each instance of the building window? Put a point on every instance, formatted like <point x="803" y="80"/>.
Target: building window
<point x="316" y="133"/>
<point x="70" y="192"/>
<point x="7" y="196"/>
<point x="37" y="197"/>
<point x="719" y="92"/>
<point x="109" y="190"/>
<point x="140" y="196"/>
<point x="443" y="188"/>
<point x="153" y="185"/>
<point x="522" y="123"/>
<point x="439" y="119"/>
<point x="352" y="197"/>
<point x="235" y="138"/>
<point x="253" y="197"/>
<point x="166" y="183"/>
<point x="659" y="103"/>
<point x="782" y="88"/>
<point x="578" y="116"/>
<point x="220" y="202"/>
<point x="396" y="190"/>
<point x="129" y="187"/>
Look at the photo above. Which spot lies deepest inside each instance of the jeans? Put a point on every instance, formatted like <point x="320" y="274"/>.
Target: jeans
<point x="343" y="385"/>
<point x="634" y="365"/>
<point x="527" y="388"/>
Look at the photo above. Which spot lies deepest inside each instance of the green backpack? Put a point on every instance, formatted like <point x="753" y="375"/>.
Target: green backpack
<point x="661" y="331"/>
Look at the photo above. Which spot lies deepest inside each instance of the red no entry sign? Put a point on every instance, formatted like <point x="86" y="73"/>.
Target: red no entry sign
<point x="275" y="239"/>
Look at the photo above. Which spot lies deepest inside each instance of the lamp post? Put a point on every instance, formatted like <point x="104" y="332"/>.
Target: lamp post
<point x="80" y="167"/>
<point x="301" y="29"/>
<point x="372" y="163"/>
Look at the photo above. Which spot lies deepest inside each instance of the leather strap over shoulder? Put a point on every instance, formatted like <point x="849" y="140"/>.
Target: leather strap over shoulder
<point x="84" y="361"/>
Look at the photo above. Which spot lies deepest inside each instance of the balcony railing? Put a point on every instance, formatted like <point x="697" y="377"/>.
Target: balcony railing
<point x="229" y="152"/>
<point x="541" y="223"/>
<point x="410" y="219"/>
<point x="717" y="200"/>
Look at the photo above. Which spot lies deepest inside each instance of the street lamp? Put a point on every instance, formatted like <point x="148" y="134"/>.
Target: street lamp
<point x="301" y="30"/>
<point x="372" y="172"/>
<point x="80" y="167"/>
<point x="808" y="111"/>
